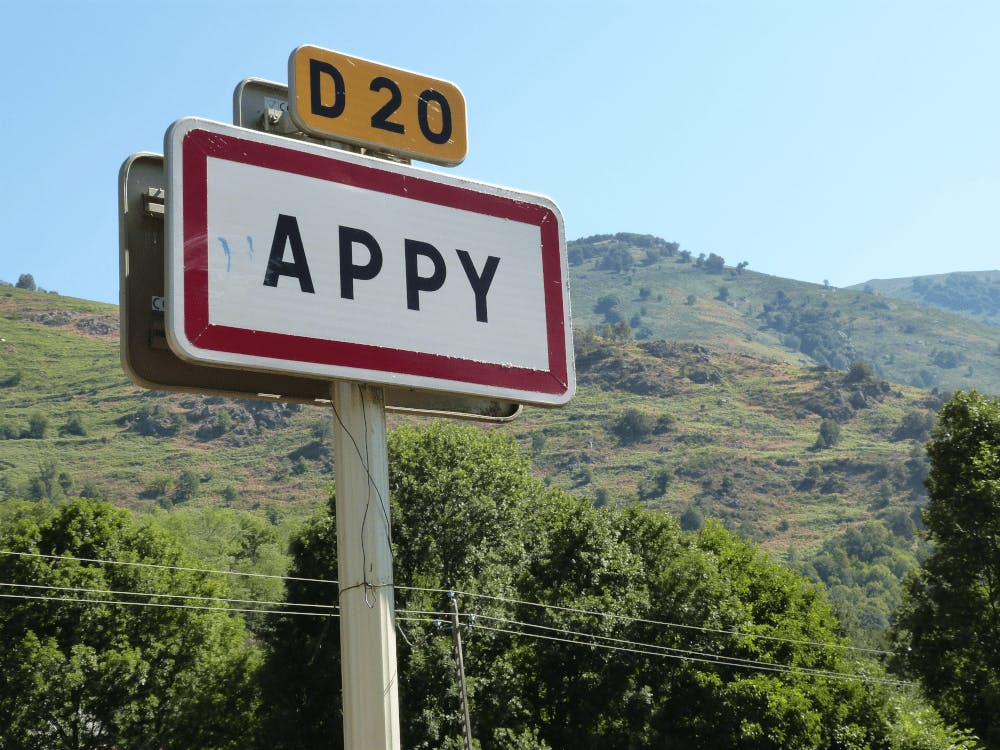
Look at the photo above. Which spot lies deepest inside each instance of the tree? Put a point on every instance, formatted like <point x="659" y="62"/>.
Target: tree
<point x="93" y="674"/>
<point x="714" y="263"/>
<point x="829" y="434"/>
<point x="633" y="426"/>
<point x="73" y="426"/>
<point x="38" y="425"/>
<point x="606" y="304"/>
<point x="859" y="372"/>
<point x="460" y="500"/>
<point x="948" y="627"/>
<point x="468" y="516"/>
<point x="26" y="281"/>
<point x="186" y="487"/>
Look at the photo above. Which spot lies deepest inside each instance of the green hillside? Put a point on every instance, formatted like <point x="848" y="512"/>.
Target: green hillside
<point x="974" y="295"/>
<point x="697" y="429"/>
<point x="660" y="292"/>
<point x="72" y="419"/>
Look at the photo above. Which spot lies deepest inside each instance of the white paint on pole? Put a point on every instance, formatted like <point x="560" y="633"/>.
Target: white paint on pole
<point x="364" y="561"/>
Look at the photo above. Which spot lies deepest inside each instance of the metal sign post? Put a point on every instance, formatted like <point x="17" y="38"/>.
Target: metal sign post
<point x="364" y="561"/>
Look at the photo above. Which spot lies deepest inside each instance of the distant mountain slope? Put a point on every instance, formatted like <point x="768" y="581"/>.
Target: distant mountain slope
<point x="73" y="422"/>
<point x="696" y="429"/>
<point x="651" y="289"/>
<point x="974" y="295"/>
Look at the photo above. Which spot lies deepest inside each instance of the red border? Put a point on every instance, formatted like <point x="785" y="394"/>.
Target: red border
<point x="200" y="144"/>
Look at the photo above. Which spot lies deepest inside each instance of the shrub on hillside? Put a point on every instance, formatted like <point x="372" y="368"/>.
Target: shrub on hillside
<point x="633" y="426"/>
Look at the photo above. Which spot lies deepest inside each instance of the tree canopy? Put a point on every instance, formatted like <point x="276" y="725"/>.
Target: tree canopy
<point x="78" y="671"/>
<point x="949" y="625"/>
<point x="594" y="628"/>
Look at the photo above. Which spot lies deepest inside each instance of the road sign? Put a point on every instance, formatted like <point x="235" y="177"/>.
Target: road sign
<point x="150" y="363"/>
<point x="348" y="99"/>
<point x="294" y="258"/>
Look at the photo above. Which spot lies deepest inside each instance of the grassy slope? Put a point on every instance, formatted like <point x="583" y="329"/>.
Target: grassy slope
<point x="745" y="411"/>
<point x="740" y="446"/>
<point x="898" y="338"/>
<point x="953" y="292"/>
<point x="67" y="365"/>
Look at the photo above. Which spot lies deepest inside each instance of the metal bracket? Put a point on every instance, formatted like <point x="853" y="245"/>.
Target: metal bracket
<point x="153" y="202"/>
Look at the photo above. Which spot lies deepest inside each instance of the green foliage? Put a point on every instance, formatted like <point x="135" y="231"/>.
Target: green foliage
<point x="38" y="426"/>
<point x="11" y="380"/>
<point x="973" y="294"/>
<point x="829" y="434"/>
<point x="618" y="260"/>
<point x="692" y="519"/>
<point x="49" y="483"/>
<point x="186" y="486"/>
<point x="155" y="420"/>
<point x="948" y="631"/>
<point x="714" y="263"/>
<point x="97" y="675"/>
<point x="655" y="484"/>
<point x="467" y="516"/>
<point x="227" y="539"/>
<point x="814" y="326"/>
<point x="73" y="426"/>
<point x="915" y="425"/>
<point x="863" y="569"/>
<point x="947" y="358"/>
<point x="633" y="426"/>
<point x="859" y="372"/>
<point x="608" y="307"/>
<point x="26" y="281"/>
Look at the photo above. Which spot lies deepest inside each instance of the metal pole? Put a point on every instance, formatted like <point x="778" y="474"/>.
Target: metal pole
<point x="456" y="642"/>
<point x="364" y="560"/>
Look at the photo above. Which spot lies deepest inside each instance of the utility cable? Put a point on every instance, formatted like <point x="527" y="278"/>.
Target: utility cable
<point x="761" y="667"/>
<point x="718" y="661"/>
<point x="162" y="605"/>
<point x="661" y="623"/>
<point x="505" y="600"/>
<point x="188" y="597"/>
<point x="594" y="641"/>
<point x="167" y="567"/>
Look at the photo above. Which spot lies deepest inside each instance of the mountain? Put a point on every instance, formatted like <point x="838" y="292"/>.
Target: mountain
<point x="729" y="427"/>
<point x="974" y="295"/>
<point x="658" y="291"/>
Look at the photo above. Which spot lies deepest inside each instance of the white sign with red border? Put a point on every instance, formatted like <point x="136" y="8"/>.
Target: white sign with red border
<point x="298" y="258"/>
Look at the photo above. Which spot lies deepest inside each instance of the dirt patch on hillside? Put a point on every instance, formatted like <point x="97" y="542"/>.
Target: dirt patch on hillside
<point x="87" y="324"/>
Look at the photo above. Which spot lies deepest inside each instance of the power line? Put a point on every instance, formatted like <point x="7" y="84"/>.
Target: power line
<point x="166" y="567"/>
<point x="189" y="597"/>
<point x="594" y="640"/>
<point x="718" y="661"/>
<point x="162" y="605"/>
<point x="506" y="600"/>
<point x="639" y="644"/>
<point x="657" y="649"/>
<point x="661" y="623"/>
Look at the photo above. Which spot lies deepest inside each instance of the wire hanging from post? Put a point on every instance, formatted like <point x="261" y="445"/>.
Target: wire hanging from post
<point x="456" y="641"/>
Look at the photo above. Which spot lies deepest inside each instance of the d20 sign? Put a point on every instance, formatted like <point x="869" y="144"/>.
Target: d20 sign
<point x="296" y="258"/>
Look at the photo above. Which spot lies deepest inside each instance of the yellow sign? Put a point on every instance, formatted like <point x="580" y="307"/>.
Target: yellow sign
<point x="334" y="96"/>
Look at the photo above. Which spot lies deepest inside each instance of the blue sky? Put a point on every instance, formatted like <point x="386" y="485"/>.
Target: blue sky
<point x="837" y="141"/>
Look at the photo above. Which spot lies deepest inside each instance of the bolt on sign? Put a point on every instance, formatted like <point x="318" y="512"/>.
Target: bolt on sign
<point x="345" y="98"/>
<point x="290" y="257"/>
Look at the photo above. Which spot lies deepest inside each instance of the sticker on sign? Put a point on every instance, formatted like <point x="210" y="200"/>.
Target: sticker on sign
<point x="297" y="258"/>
